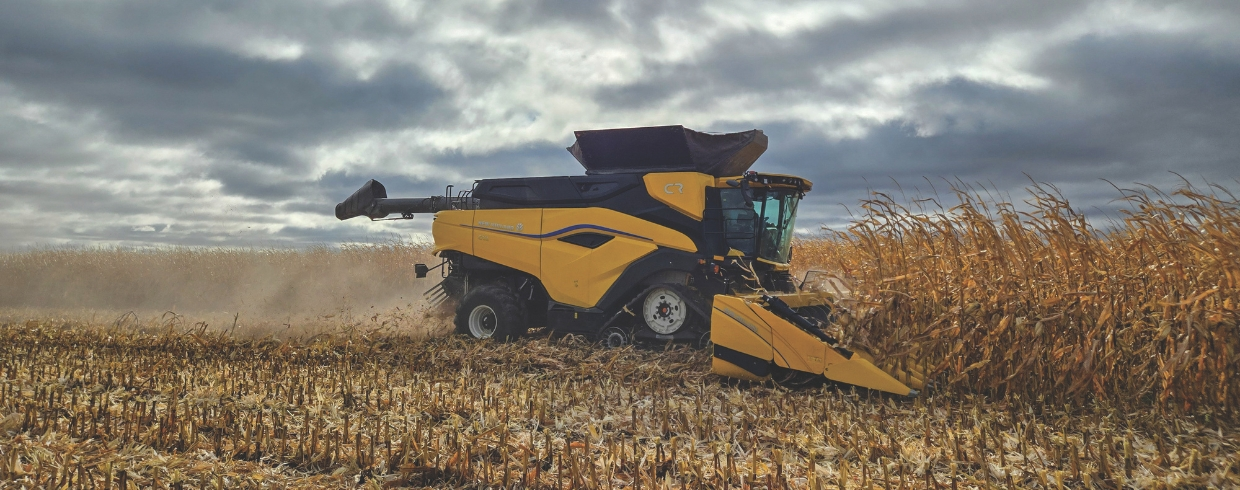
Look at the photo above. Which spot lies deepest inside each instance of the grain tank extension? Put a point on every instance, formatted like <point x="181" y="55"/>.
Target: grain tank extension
<point x="667" y="237"/>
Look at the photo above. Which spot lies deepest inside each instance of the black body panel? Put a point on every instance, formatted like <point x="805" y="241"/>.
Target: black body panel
<point x="568" y="318"/>
<point x="587" y="239"/>
<point x="759" y="367"/>
<point x="577" y="191"/>
<point x="621" y="192"/>
<point x="630" y="281"/>
<point x="667" y="149"/>
<point x="714" y="234"/>
<point x="625" y="193"/>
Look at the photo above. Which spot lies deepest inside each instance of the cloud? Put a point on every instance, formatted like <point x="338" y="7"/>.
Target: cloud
<point x="241" y="123"/>
<point x="834" y="61"/>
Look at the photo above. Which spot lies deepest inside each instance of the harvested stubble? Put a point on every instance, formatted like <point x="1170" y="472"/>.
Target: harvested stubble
<point x="1042" y="304"/>
<point x="126" y="408"/>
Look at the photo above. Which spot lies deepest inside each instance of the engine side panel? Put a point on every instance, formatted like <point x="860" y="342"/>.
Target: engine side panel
<point x="579" y="275"/>
<point x="624" y="193"/>
<point x="565" y="273"/>
<point x="562" y="222"/>
<point x="578" y="254"/>
<point x="510" y="237"/>
<point x="453" y="230"/>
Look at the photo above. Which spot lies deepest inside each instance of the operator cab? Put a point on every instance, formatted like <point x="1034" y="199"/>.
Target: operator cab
<point x="752" y="219"/>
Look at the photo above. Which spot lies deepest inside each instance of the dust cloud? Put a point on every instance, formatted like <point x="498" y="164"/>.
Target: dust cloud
<point x="244" y="291"/>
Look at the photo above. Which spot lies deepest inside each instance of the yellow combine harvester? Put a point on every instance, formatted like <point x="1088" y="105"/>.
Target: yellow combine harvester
<point x="668" y="237"/>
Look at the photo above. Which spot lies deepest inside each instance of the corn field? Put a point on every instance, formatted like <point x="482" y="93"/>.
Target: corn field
<point x="1043" y="304"/>
<point x="1063" y="356"/>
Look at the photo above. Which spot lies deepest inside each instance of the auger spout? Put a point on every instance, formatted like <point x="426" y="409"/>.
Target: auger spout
<point x="372" y="202"/>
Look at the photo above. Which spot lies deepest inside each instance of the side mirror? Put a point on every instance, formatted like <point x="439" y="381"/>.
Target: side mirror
<point x="420" y="270"/>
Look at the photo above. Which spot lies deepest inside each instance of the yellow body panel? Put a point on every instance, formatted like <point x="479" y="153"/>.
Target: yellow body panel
<point x="580" y="276"/>
<point x="860" y="372"/>
<point x="566" y="273"/>
<point x="737" y="308"/>
<point x="558" y="221"/>
<point x="731" y="328"/>
<point x="453" y="230"/>
<point x="743" y="325"/>
<point x="612" y="258"/>
<point x="794" y="348"/>
<point x="795" y="300"/>
<point x="682" y="191"/>
<point x="510" y="237"/>
<point x="528" y="240"/>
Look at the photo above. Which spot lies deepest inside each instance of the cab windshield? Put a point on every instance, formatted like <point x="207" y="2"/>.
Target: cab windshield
<point x="763" y="230"/>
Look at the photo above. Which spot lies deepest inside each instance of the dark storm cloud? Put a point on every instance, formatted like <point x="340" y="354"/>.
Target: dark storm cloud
<point x="181" y="91"/>
<point x="142" y="77"/>
<point x="768" y="62"/>
<point x="173" y="90"/>
<point x="633" y="20"/>
<point x="230" y="122"/>
<point x="1125" y="108"/>
<point x="536" y="158"/>
<point x="520" y="15"/>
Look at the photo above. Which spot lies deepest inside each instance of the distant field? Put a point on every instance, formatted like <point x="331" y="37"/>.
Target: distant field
<point x="259" y="291"/>
<point x="1061" y="353"/>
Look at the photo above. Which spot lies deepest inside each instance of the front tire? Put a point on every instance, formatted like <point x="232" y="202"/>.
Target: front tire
<point x="491" y="311"/>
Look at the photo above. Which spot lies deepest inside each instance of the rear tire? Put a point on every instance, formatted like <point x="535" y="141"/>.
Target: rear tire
<point x="492" y="311"/>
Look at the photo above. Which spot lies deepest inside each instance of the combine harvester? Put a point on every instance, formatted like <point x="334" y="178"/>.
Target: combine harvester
<point x="668" y="236"/>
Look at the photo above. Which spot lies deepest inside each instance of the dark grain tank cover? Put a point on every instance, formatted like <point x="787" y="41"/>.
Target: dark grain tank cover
<point x="667" y="149"/>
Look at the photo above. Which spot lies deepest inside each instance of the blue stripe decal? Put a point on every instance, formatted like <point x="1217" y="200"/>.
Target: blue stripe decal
<point x="562" y="231"/>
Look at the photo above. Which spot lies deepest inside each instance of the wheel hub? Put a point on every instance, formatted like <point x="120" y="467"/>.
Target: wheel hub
<point x="482" y="322"/>
<point x="665" y="311"/>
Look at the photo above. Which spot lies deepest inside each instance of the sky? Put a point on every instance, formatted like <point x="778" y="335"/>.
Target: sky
<point x="242" y="123"/>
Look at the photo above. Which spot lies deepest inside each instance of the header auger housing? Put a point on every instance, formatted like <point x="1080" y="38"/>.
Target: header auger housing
<point x="668" y="236"/>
